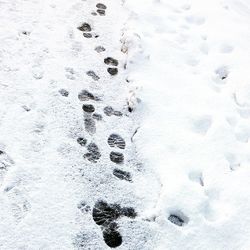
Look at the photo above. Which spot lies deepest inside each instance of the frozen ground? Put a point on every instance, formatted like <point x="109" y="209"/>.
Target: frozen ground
<point x="124" y="124"/>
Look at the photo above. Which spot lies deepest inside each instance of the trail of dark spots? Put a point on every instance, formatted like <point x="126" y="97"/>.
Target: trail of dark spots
<point x="101" y="6"/>
<point x="100" y="49"/>
<point x="87" y="35"/>
<point x="116" y="157"/>
<point x="111" y="61"/>
<point x="85" y="27"/>
<point x="89" y="108"/>
<point x="111" y="236"/>
<point x="64" y="92"/>
<point x="123" y="175"/>
<point x="116" y="140"/>
<point x="101" y="12"/>
<point x="94" y="153"/>
<point x="177" y="219"/>
<point x="82" y="141"/>
<point x="92" y="74"/>
<point x="112" y="71"/>
<point x="97" y="117"/>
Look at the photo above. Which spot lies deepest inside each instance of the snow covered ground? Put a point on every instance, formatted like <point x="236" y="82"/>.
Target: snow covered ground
<point x="124" y="124"/>
<point x="190" y="62"/>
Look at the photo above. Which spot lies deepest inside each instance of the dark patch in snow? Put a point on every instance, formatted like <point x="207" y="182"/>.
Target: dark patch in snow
<point x="112" y="71"/>
<point x="122" y="175"/>
<point x="116" y="140"/>
<point x="116" y="157"/>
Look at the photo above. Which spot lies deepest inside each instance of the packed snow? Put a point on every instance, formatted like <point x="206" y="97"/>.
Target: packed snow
<point x="124" y="124"/>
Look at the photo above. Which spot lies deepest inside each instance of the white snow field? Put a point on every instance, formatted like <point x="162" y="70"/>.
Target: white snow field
<point x="124" y="124"/>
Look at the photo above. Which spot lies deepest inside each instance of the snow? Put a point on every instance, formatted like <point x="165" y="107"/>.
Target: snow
<point x="189" y="62"/>
<point x="180" y="102"/>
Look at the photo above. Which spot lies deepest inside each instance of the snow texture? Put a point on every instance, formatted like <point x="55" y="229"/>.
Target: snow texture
<point x="124" y="124"/>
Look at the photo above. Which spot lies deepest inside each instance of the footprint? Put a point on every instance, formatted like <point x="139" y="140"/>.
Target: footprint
<point x="19" y="204"/>
<point x="93" y="153"/>
<point x="100" y="49"/>
<point x="97" y="117"/>
<point x="5" y="164"/>
<point x="108" y="110"/>
<point x="87" y="35"/>
<point x="111" y="235"/>
<point x="104" y="213"/>
<point x="64" y="92"/>
<point x="221" y="74"/>
<point x="82" y="141"/>
<point x="93" y="75"/>
<point x="90" y="125"/>
<point x="101" y="9"/>
<point x="116" y="140"/>
<point x="201" y="124"/>
<point x="85" y="95"/>
<point x="178" y="220"/>
<point x="116" y="157"/>
<point x="101" y="12"/>
<point x="88" y="108"/>
<point x="85" y="27"/>
<point x="122" y="175"/>
<point x="101" y="6"/>
<point x="194" y="19"/>
<point x="111" y="61"/>
<point x="112" y="71"/>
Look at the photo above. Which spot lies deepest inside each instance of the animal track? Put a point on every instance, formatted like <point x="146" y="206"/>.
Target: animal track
<point x="105" y="215"/>
<point x="93" y="75"/>
<point x="123" y="175"/>
<point x="116" y="157"/>
<point x="111" y="61"/>
<point x="108" y="110"/>
<point x="93" y="153"/>
<point x="116" y="140"/>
